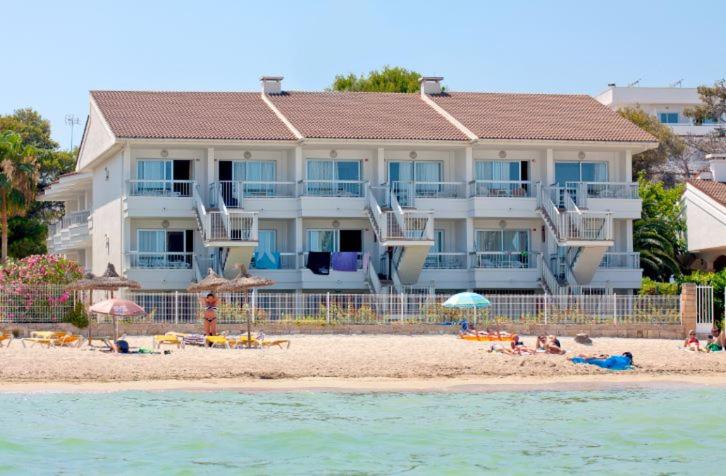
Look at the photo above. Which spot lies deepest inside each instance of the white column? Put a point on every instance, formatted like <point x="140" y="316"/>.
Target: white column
<point x="211" y="171"/>
<point x="628" y="166"/>
<point x="469" y="237"/>
<point x="299" y="235"/>
<point x="299" y="166"/>
<point x="381" y="166"/>
<point x="549" y="171"/>
<point x="629" y="235"/>
<point x="469" y="165"/>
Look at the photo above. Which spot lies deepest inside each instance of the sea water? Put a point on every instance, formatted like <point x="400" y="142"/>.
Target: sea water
<point x="663" y="431"/>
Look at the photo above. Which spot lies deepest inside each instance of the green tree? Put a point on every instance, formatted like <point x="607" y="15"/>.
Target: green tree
<point x="18" y="180"/>
<point x="713" y="103"/>
<point x="670" y="145"/>
<point x="659" y="235"/>
<point x="27" y="233"/>
<point x="388" y="80"/>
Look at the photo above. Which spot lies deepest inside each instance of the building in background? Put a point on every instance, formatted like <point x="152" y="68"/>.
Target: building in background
<point x="356" y="191"/>
<point x="704" y="208"/>
<point x="667" y="104"/>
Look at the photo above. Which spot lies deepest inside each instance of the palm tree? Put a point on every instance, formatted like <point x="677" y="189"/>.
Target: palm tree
<point x="19" y="174"/>
<point x="658" y="253"/>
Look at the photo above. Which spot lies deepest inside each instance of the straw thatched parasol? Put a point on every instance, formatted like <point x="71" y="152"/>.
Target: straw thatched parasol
<point x="109" y="281"/>
<point x="243" y="282"/>
<point x="210" y="283"/>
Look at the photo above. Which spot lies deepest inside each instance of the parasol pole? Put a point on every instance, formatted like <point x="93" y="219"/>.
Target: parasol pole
<point x="249" y="325"/>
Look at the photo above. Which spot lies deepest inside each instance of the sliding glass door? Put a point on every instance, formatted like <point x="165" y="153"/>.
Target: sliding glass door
<point x="334" y="178"/>
<point x="503" y="248"/>
<point x="409" y="179"/>
<point x="154" y="177"/>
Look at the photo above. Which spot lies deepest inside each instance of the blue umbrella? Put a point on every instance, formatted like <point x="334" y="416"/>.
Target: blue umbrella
<point x="467" y="301"/>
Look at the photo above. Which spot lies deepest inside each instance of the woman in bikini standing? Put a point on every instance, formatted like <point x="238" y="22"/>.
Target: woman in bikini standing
<point x="210" y="315"/>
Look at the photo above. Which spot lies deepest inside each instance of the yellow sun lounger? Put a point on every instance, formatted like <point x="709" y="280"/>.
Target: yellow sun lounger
<point x="5" y="339"/>
<point x="170" y="338"/>
<point x="242" y="341"/>
<point x="276" y="343"/>
<point x="217" y="341"/>
<point x="47" y="338"/>
<point x="68" y="340"/>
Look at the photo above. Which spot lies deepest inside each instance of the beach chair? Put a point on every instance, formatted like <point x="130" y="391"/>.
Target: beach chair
<point x="46" y="338"/>
<point x="5" y="339"/>
<point x="218" y="341"/>
<point x="68" y="340"/>
<point x="266" y="344"/>
<point x="241" y="342"/>
<point x="170" y="338"/>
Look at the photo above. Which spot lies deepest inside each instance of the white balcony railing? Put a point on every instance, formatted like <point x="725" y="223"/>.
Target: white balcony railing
<point x="286" y="260"/>
<point x="625" y="260"/>
<point x="581" y="191"/>
<point x="160" y="188"/>
<point x="333" y="188"/>
<point x="159" y="260"/>
<point x="75" y="218"/>
<point x="446" y="261"/>
<point x="407" y="192"/>
<point x="504" y="259"/>
<point x="502" y="188"/>
<point x="234" y="192"/>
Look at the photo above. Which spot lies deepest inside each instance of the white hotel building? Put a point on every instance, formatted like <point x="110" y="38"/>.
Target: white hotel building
<point x="445" y="191"/>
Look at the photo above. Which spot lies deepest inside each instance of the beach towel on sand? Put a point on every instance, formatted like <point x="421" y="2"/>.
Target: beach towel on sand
<point x="615" y="362"/>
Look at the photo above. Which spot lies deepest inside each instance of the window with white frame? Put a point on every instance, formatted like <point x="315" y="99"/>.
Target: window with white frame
<point x="669" y="117"/>
<point x="334" y="177"/>
<point x="502" y="248"/>
<point x="165" y="249"/>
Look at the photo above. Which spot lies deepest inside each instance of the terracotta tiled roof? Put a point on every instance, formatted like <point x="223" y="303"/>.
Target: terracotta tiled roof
<point x="385" y="116"/>
<point x="539" y="117"/>
<point x="715" y="190"/>
<point x="190" y="115"/>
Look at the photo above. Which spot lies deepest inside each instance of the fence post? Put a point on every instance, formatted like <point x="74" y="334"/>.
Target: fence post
<point x="615" y="309"/>
<point x="689" y="311"/>
<point x="545" y="308"/>
<point x="403" y="300"/>
<point x="253" y="304"/>
<point x="327" y="307"/>
<point x="176" y="307"/>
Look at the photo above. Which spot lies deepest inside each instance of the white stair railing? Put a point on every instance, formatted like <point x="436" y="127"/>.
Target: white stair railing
<point x="549" y="279"/>
<point x="202" y="214"/>
<point x="377" y="215"/>
<point x="373" y="279"/>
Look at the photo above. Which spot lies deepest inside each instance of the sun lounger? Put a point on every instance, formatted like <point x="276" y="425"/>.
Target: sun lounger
<point x="275" y="343"/>
<point x="217" y="341"/>
<point x="68" y="340"/>
<point x="47" y="338"/>
<point x="170" y="338"/>
<point x="242" y="342"/>
<point x="5" y="339"/>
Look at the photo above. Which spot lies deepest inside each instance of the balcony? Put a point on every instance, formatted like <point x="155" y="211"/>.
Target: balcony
<point x="348" y="195"/>
<point x="690" y="129"/>
<point x="505" y="270"/>
<point x="445" y="261"/>
<point x="622" y="199"/>
<point x="497" y="198"/>
<point x="70" y="233"/>
<point x="160" y="270"/>
<point x="619" y="271"/>
<point x="152" y="198"/>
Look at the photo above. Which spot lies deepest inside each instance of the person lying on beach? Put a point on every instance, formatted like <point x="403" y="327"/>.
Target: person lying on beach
<point x="499" y="348"/>
<point x="611" y="362"/>
<point x="691" y="342"/>
<point x="549" y="345"/>
<point x="518" y="346"/>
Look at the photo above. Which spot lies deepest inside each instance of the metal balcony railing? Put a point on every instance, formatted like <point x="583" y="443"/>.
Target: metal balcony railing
<point x="333" y="188"/>
<point x="445" y="261"/>
<point x="502" y="188"/>
<point x="504" y="259"/>
<point x="159" y="260"/>
<point x="160" y="188"/>
<point x="624" y="260"/>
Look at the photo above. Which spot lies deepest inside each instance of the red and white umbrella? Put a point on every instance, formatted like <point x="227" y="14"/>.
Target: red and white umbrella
<point x="116" y="307"/>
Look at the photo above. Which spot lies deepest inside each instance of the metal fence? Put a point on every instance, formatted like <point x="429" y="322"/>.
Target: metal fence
<point x="48" y="304"/>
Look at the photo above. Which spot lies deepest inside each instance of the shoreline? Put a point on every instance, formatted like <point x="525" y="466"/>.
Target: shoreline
<point x="380" y="385"/>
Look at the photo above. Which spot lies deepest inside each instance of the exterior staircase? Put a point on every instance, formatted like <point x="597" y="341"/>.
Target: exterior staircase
<point x="232" y="234"/>
<point x="409" y="232"/>
<point x="586" y="236"/>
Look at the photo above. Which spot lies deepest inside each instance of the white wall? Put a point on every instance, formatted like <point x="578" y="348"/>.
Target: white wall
<point x="97" y="139"/>
<point x="106" y="217"/>
<point x="705" y="221"/>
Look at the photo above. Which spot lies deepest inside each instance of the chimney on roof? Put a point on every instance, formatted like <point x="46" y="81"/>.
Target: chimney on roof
<point x="271" y="84"/>
<point x="431" y="84"/>
<point x="717" y="165"/>
<point x="611" y="85"/>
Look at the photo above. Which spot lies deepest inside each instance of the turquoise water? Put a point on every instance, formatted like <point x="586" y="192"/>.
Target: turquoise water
<point x="593" y="432"/>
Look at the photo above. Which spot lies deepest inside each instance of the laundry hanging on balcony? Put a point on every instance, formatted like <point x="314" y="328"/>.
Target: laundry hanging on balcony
<point x="267" y="260"/>
<point x="345" y="261"/>
<point x="319" y="262"/>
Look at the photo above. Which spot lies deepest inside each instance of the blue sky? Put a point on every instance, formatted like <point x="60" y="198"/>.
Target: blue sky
<point x="55" y="52"/>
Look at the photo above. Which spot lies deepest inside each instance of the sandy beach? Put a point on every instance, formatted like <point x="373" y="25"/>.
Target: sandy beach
<point x="376" y="362"/>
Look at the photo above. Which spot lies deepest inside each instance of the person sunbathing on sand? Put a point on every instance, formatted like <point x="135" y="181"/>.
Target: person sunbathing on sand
<point x="549" y="345"/>
<point x="714" y="342"/>
<point x="691" y="342"/>
<point x="518" y="346"/>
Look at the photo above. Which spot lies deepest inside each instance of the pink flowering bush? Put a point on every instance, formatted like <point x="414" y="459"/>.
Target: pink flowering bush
<point x="32" y="289"/>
